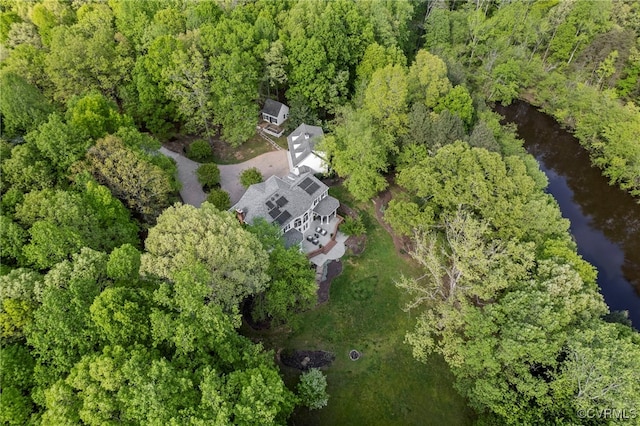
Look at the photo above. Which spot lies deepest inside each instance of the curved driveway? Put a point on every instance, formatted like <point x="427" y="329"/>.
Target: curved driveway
<point x="191" y="191"/>
<point x="270" y="164"/>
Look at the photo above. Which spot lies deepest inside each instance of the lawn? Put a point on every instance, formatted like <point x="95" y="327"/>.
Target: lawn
<point x="386" y="386"/>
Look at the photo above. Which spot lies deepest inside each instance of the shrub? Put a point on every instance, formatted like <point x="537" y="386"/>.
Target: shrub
<point x="200" y="150"/>
<point x="312" y="389"/>
<point x="220" y="199"/>
<point x="209" y="175"/>
<point x="250" y="176"/>
<point x="352" y="226"/>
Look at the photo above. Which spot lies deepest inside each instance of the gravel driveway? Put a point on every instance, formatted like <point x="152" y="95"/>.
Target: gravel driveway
<point x="269" y="164"/>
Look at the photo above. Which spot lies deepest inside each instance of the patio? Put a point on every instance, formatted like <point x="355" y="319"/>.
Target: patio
<point x="335" y="245"/>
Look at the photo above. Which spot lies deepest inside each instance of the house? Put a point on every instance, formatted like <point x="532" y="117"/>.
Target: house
<point x="297" y="203"/>
<point x="302" y="143"/>
<point x="275" y="112"/>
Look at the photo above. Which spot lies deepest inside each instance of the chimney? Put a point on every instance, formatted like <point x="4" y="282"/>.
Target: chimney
<point x="240" y="216"/>
<point x="306" y="135"/>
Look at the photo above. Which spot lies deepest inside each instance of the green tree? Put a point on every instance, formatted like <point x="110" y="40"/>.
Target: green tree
<point x="376" y="57"/>
<point x="185" y="236"/>
<point x="23" y="107"/>
<point x="386" y="99"/>
<point x="27" y="169"/>
<point x="17" y="381"/>
<point x="324" y="43"/>
<point x="189" y="86"/>
<point x="208" y="175"/>
<point x="60" y="143"/>
<point x="312" y="389"/>
<point x="199" y="150"/>
<point x="150" y="101"/>
<point x="292" y="287"/>
<point x="482" y="137"/>
<point x="458" y="101"/>
<point x="72" y="71"/>
<point x="121" y="315"/>
<point x="13" y="238"/>
<point x="250" y="177"/>
<point x="359" y="153"/>
<point x="144" y="187"/>
<point x="353" y="226"/>
<point x="62" y="330"/>
<point x="93" y="116"/>
<point x="124" y="263"/>
<point x="20" y="293"/>
<point x="427" y="79"/>
<point x="235" y="53"/>
<point x="276" y="63"/>
<point x="220" y="199"/>
<point x="499" y="190"/>
<point x="62" y="222"/>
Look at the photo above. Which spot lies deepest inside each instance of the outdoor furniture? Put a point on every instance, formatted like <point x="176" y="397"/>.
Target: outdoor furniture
<point x="323" y="231"/>
<point x="318" y="229"/>
<point x="309" y="238"/>
<point x="315" y="241"/>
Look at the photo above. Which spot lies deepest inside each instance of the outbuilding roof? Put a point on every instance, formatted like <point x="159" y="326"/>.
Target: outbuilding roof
<point x="272" y="107"/>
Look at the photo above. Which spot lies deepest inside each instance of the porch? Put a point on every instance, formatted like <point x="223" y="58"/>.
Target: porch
<point x="270" y="129"/>
<point x="320" y="246"/>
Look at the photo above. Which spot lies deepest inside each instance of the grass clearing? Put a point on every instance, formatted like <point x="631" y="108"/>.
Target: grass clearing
<point x="386" y="386"/>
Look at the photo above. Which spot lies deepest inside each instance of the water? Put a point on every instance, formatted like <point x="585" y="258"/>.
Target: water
<point x="605" y="221"/>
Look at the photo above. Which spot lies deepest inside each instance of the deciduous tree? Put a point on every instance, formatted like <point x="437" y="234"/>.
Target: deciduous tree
<point x="185" y="237"/>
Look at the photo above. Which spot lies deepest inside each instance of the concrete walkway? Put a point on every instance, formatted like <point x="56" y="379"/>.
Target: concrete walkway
<point x="191" y="191"/>
<point x="269" y="164"/>
<point x="272" y="163"/>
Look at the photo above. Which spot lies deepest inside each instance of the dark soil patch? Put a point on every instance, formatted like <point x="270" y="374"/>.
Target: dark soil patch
<point x="356" y="244"/>
<point x="179" y="143"/>
<point x="246" y="309"/>
<point x="305" y="360"/>
<point x="333" y="269"/>
<point x="223" y="153"/>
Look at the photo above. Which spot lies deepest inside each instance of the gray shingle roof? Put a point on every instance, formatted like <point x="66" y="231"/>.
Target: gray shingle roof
<point x="327" y="206"/>
<point x="300" y="146"/>
<point x="280" y="200"/>
<point x="292" y="237"/>
<point x="272" y="107"/>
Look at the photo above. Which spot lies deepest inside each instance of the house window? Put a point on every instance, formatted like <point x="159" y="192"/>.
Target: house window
<point x="297" y="223"/>
<point x="306" y="217"/>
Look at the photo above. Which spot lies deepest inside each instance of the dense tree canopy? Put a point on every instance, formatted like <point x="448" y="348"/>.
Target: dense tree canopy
<point x="97" y="327"/>
<point x="185" y="237"/>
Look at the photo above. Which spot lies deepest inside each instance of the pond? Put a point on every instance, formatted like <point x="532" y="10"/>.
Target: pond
<point x="605" y="221"/>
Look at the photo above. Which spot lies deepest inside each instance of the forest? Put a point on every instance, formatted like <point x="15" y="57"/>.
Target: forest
<point x="119" y="304"/>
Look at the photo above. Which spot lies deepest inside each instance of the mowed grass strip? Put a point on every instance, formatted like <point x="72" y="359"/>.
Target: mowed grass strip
<point x="386" y="386"/>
